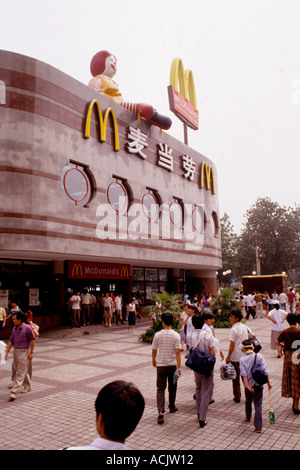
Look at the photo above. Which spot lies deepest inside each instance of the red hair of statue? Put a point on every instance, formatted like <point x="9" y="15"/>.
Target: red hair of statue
<point x="98" y="62"/>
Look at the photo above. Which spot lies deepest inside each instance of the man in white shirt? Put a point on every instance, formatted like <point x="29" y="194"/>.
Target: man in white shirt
<point x="283" y="300"/>
<point x="119" y="305"/>
<point x="250" y="306"/>
<point x="166" y="357"/>
<point x="238" y="333"/>
<point x="277" y="316"/>
<point x="75" y="302"/>
<point x="119" y="408"/>
<point x="86" y="301"/>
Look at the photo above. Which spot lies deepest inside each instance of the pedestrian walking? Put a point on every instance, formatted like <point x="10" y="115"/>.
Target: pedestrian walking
<point x="291" y="299"/>
<point x="205" y="342"/>
<point x="253" y="390"/>
<point x="289" y="340"/>
<point x="258" y="298"/>
<point x="277" y="316"/>
<point x="119" y="307"/>
<point x="238" y="333"/>
<point x="86" y="301"/>
<point x="2" y="320"/>
<point x="166" y="358"/>
<point x="250" y="309"/>
<point x="131" y="316"/>
<point x="22" y="339"/>
<point x="108" y="306"/>
<point x="75" y="302"/>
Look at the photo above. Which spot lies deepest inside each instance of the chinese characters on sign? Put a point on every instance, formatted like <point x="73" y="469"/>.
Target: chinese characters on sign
<point x="138" y="143"/>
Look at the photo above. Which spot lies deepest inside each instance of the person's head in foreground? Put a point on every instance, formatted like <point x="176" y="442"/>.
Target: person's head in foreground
<point x="119" y="408"/>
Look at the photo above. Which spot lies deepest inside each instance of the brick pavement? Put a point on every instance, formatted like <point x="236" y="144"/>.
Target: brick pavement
<point x="70" y="366"/>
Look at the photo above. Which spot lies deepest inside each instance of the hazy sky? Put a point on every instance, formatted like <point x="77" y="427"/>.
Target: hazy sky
<point x="245" y="58"/>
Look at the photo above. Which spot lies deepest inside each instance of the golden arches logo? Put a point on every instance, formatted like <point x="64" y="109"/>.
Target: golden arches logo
<point x="76" y="269"/>
<point x="102" y="123"/>
<point x="125" y="272"/>
<point x="183" y="81"/>
<point x="209" y="176"/>
<point x="182" y="94"/>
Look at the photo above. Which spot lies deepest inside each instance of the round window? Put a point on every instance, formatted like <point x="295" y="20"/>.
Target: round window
<point x="117" y="196"/>
<point x="76" y="184"/>
<point x="197" y="220"/>
<point x="150" y="205"/>
<point x="214" y="224"/>
<point x="176" y="213"/>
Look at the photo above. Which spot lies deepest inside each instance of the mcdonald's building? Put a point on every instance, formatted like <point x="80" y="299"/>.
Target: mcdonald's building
<point x="94" y="197"/>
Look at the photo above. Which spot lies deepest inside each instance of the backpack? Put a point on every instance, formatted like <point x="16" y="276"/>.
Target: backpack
<point x="257" y="373"/>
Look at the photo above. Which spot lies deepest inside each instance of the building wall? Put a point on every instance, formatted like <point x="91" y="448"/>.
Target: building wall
<point x="42" y="120"/>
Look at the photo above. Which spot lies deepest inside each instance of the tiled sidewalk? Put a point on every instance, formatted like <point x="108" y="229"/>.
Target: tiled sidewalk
<point x="70" y="366"/>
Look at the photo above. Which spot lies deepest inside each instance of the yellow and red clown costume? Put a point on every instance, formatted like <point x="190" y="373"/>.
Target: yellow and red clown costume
<point x="103" y="68"/>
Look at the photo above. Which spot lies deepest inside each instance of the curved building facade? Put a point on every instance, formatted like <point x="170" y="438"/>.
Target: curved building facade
<point x="91" y="197"/>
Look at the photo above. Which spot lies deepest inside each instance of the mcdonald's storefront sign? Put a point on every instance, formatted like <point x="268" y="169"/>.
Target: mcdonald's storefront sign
<point x="85" y="270"/>
<point x="182" y="95"/>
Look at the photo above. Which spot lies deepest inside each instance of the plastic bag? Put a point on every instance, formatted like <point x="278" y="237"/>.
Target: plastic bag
<point x="227" y="372"/>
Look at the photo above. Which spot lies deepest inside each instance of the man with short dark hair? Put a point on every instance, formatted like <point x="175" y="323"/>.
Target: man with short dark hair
<point x="166" y="357"/>
<point x="75" y="302"/>
<point x="291" y="299"/>
<point x="253" y="390"/>
<point x="119" y="408"/>
<point x="22" y="339"/>
<point x="238" y="333"/>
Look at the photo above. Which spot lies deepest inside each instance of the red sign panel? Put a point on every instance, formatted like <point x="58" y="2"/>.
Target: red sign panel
<point x="183" y="109"/>
<point x="85" y="270"/>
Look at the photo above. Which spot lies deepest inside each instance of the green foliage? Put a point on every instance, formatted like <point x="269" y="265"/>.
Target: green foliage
<point x="229" y="243"/>
<point x="275" y="231"/>
<point x="271" y="232"/>
<point x="164" y="302"/>
<point x="223" y="303"/>
<point x="161" y="303"/>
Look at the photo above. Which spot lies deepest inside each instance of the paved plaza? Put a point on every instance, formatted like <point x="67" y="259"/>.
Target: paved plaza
<point x="70" y="366"/>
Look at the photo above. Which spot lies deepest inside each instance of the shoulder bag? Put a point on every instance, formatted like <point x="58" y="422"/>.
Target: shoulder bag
<point x="200" y="361"/>
<point x="256" y="344"/>
<point x="257" y="374"/>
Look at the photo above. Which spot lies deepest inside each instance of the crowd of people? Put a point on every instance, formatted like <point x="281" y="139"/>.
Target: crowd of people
<point x="197" y="331"/>
<point x="258" y="304"/>
<point x="85" y="307"/>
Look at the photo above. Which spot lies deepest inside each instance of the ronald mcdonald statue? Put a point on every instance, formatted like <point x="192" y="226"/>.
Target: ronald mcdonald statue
<point x="103" y="69"/>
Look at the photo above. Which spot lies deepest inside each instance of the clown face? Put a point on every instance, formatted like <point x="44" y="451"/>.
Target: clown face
<point x="110" y="66"/>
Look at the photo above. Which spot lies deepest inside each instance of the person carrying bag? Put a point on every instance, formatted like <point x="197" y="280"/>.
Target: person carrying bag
<point x="254" y="372"/>
<point x="202" y="361"/>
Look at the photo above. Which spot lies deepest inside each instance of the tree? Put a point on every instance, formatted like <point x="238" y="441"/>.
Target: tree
<point x="273" y="233"/>
<point x="223" y="303"/>
<point x="161" y="303"/>
<point x="229" y="242"/>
